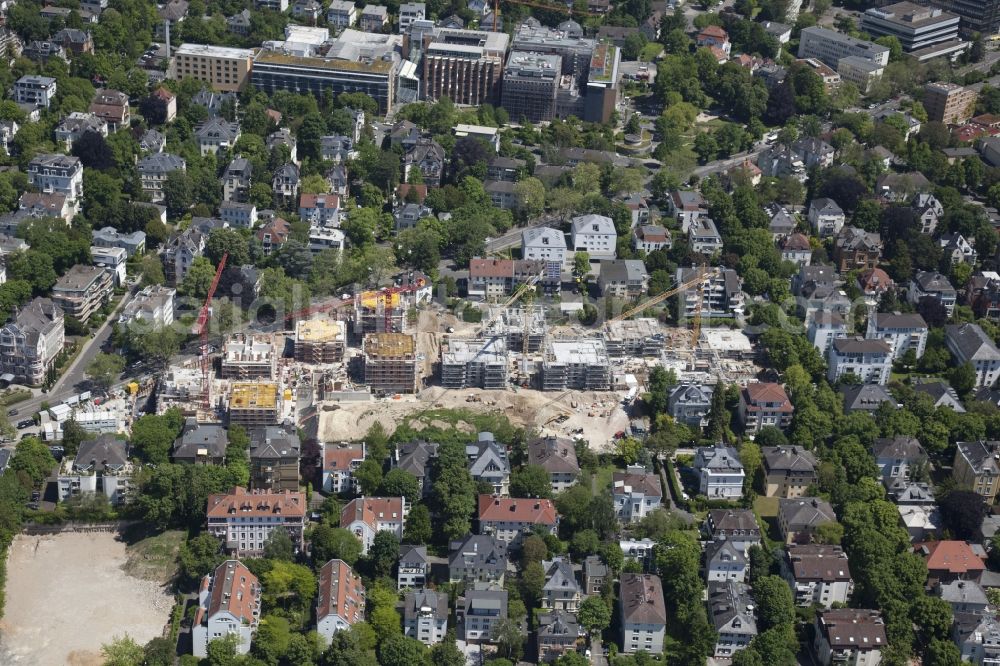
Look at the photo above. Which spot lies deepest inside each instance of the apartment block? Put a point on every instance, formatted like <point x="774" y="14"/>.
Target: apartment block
<point x="244" y="520"/>
<point x="320" y="340"/>
<point x="35" y="90"/>
<point x="82" y="291"/>
<point x="31" y="341"/>
<point x="254" y="404"/>
<point x="100" y="466"/>
<point x="970" y="344"/>
<point x="903" y="332"/>
<point x="721" y="294"/>
<point x="977" y="467"/>
<point x="59" y="174"/>
<point x="274" y="458"/>
<point x="475" y="363"/>
<point x="949" y="103"/>
<point x="389" y="362"/>
<point x="580" y="363"/>
<point x="643" y="613"/>
<point x="340" y="603"/>
<point x="223" y="68"/>
<point x="868" y="360"/>
<point x="365" y="517"/>
<point x="830" y="46"/>
<point x="248" y="356"/>
<point x="339" y="464"/>
<point x="463" y="65"/>
<point x="228" y="605"/>
<point x="818" y="574"/>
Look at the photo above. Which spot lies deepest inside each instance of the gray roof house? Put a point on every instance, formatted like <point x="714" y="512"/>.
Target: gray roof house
<point x="543" y="243"/>
<point x="557" y="456"/>
<point x="478" y="611"/>
<point x="725" y="560"/>
<point x="935" y="285"/>
<point x="690" y="403"/>
<point x="739" y="525"/>
<point x="898" y="457"/>
<point x="964" y="596"/>
<point x="216" y="134"/>
<point x="478" y="558"/>
<point x="561" y="591"/>
<point x="558" y="633"/>
<point x="417" y="458"/>
<point x="789" y="470"/>
<point x="488" y="462"/>
<point x="970" y="344"/>
<point x="425" y="616"/>
<point x="798" y="518"/>
<point x="941" y="394"/>
<point x="731" y="610"/>
<point x="720" y="471"/>
<point x="201" y="443"/>
<point x="866" y="398"/>
<point x="414" y="567"/>
<point x="110" y="237"/>
<point x="623" y="278"/>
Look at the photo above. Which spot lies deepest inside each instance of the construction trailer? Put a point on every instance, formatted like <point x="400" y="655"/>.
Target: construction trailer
<point x="254" y="404"/>
<point x="634" y="337"/>
<point x="320" y="340"/>
<point x="390" y="362"/>
<point x="478" y="363"/>
<point x="576" y="363"/>
<point x="519" y="326"/>
<point x="246" y="356"/>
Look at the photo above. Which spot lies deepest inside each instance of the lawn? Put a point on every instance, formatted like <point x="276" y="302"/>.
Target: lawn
<point x="766" y="507"/>
<point x="601" y="479"/>
<point x="155" y="557"/>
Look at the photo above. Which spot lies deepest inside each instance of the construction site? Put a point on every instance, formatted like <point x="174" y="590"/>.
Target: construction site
<point x="246" y="356"/>
<point x="389" y="362"/>
<point x="320" y="340"/>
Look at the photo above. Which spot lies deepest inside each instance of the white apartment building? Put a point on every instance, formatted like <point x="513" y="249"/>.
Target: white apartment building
<point x="61" y="174"/>
<point x="970" y="344"/>
<point x="595" y="235"/>
<point x="341" y="600"/>
<point x="244" y="519"/>
<point x="869" y="360"/>
<point x="544" y="243"/>
<point x="643" y="613"/>
<point x="339" y="464"/>
<point x="228" y="604"/>
<point x="720" y="472"/>
<point x="364" y="517"/>
<point x="824" y="327"/>
<point x="818" y="574"/>
<point x="635" y="493"/>
<point x="35" y="90"/>
<point x="101" y="466"/>
<point x="903" y="332"/>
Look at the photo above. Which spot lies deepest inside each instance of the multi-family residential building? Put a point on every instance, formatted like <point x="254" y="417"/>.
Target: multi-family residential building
<point x="724" y="560"/>
<point x="82" y="290"/>
<point x="898" y="458"/>
<point x="623" y="278"/>
<point x="509" y="519"/>
<point x="650" y="238"/>
<point x="970" y="344"/>
<point x="417" y="458"/>
<point x="340" y="603"/>
<point x="635" y="493"/>
<point x="132" y="243"/>
<point x="101" y="465"/>
<point x="952" y="560"/>
<point x="559" y="632"/>
<point x="731" y="611"/>
<point x="561" y="591"/>
<point x="849" y="636"/>
<point x="479" y="610"/>
<point x="643" y="613"/>
<point x="903" y="332"/>
<point x="75" y="125"/>
<point x="229" y="604"/>
<point x="374" y="18"/>
<point x="789" y="471"/>
<point x="35" y="90"/>
<point x="244" y="520"/>
<point x="690" y="404"/>
<point x="824" y="327"/>
<point x="826" y="217"/>
<point x="764" y="404"/>
<point x="216" y="134"/>
<point x="61" y="174"/>
<point x="238" y="214"/>
<point x="704" y="237"/>
<point x="201" y="444"/>
<point x="965" y="596"/>
<point x="112" y="107"/>
<point x="366" y="516"/>
<point x="557" y="456"/>
<point x="340" y="461"/>
<point x="223" y="68"/>
<point x="236" y="180"/>
<point x="949" y="103"/>
<point x="978" y="638"/>
<point x="595" y="235"/>
<point x="479" y="558"/>
<point x="799" y="517"/>
<point x="737" y="525"/>
<point x="868" y="360"/>
<point x="154" y="170"/>
<point x="933" y="285"/>
<point x="818" y="574"/>
<point x="796" y="248"/>
<point x="595" y="575"/>
<point x="425" y="616"/>
<point x="721" y="294"/>
<point x="856" y="249"/>
<point x="30" y="343"/>
<point x="957" y="249"/>
<point x="273" y="234"/>
<point x="414" y="568"/>
<point x="720" y="472"/>
<point x="686" y="206"/>
<point x="341" y="14"/>
<point x="320" y="209"/>
<point x="180" y="252"/>
<point x="977" y="467"/>
<point x="544" y="243"/>
<point x="488" y="463"/>
<point x="274" y="458"/>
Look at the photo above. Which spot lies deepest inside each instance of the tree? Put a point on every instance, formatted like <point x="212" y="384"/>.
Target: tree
<point x="509" y="638"/>
<point x="272" y="639"/>
<point x="530" y="481"/>
<point x="942" y="653"/>
<point x="279" y="545"/>
<point x="159" y="652"/>
<point x="153" y="436"/>
<point x="963" y="512"/>
<point x="369" y="476"/>
<point x="382" y="614"/>
<point x="963" y="379"/>
<point x="105" y="369"/>
<point x="383" y="553"/>
<point x="334" y="543"/>
<point x="400" y="650"/>
<point x="933" y="616"/>
<point x="581" y="264"/>
<point x="418" y="525"/>
<point x="530" y="197"/>
<point x="775" y="605"/>
<point x="122" y="651"/>
<point x="594" y="614"/>
<point x="706" y="147"/>
<point x="400" y="483"/>
<point x="199" y="556"/>
<point x="584" y="543"/>
<point x="446" y="653"/>
<point x="178" y="193"/>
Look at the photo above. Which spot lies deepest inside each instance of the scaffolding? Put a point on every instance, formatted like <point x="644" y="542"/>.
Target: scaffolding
<point x="480" y="363"/>
<point x="384" y="311"/>
<point x="523" y="328"/>
<point x="390" y="362"/>
<point x="320" y="340"/>
<point x="248" y="357"/>
<point x="254" y="404"/>
<point x="634" y="337"/>
<point x="576" y="363"/>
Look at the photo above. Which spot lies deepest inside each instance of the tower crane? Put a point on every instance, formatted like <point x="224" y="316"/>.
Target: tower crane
<point x="201" y="328"/>
<point x="516" y="296"/>
<point x="659" y="298"/>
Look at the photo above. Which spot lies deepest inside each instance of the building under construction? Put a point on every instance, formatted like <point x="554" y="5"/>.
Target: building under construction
<point x="181" y="388"/>
<point x="634" y="337"/>
<point x="248" y="357"/>
<point x="479" y="363"/>
<point x="320" y="340"/>
<point x="523" y="328"/>
<point x="382" y="311"/>
<point x="253" y="404"/>
<point x="390" y="362"/>
<point x="576" y="363"/>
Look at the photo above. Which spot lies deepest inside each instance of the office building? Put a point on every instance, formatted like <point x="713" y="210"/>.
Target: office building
<point x="949" y="103"/>
<point x="982" y="16"/>
<point x="830" y="46"/>
<point x="574" y="49"/>
<point x="863" y="73"/>
<point x="601" y="94"/>
<point x="924" y="32"/>
<point x="225" y="69"/>
<point x="463" y="65"/>
<point x="530" y="82"/>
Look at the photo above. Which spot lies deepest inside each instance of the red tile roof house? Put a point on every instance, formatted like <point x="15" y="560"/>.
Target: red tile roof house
<point x="508" y="518"/>
<point x="228" y="604"/>
<point x="339" y="463"/>
<point x="244" y="519"/>
<point x="320" y="209"/>
<point x="341" y="601"/>
<point x="951" y="560"/>
<point x="765" y="404"/>
<point x="365" y="516"/>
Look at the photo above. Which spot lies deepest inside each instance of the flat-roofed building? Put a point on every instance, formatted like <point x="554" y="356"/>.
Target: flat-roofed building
<point x="580" y="363"/>
<point x="254" y="404"/>
<point x="320" y="340"/>
<point x="82" y="290"/>
<point x="530" y="82"/>
<point x="949" y="103"/>
<point x="830" y="46"/>
<point x="35" y="90"/>
<point x="224" y="68"/>
<point x="574" y="49"/>
<point x="862" y="72"/>
<point x="463" y="65"/>
<point x="389" y="362"/>
<point x="246" y="356"/>
<point x="918" y="28"/>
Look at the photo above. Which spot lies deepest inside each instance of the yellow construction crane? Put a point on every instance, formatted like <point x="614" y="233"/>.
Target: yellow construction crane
<point x="521" y="290"/>
<point x="659" y="298"/>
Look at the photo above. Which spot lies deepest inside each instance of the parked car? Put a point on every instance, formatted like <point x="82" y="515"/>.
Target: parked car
<point x="26" y="423"/>
<point x="11" y="412"/>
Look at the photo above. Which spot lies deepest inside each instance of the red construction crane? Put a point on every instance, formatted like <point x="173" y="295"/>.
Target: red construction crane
<point x="201" y="328"/>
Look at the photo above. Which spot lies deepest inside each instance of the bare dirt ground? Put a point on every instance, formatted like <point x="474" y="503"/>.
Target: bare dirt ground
<point x="598" y="414"/>
<point x="67" y="595"/>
